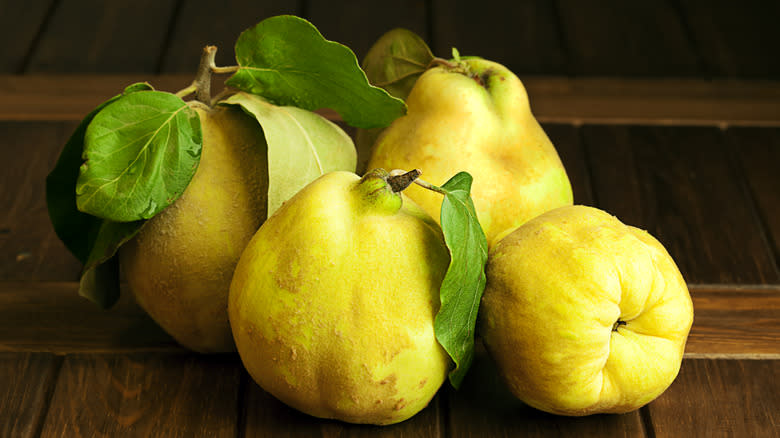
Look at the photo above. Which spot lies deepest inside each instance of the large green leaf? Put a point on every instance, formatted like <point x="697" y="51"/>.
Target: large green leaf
<point x="286" y="60"/>
<point x="302" y="146"/>
<point x="76" y="229"/>
<point x="464" y="282"/>
<point x="140" y="153"/>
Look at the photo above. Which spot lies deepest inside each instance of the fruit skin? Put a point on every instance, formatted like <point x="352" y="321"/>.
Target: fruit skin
<point x="333" y="301"/>
<point x="479" y="122"/>
<point x="583" y="314"/>
<point x="180" y="265"/>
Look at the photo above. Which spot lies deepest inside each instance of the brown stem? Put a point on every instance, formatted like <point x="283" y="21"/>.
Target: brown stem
<point x="399" y="181"/>
<point x="202" y="80"/>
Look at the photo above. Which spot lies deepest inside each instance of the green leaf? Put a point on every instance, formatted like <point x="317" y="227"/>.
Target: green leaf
<point x="396" y="60"/>
<point x="464" y="282"/>
<point x="140" y="153"/>
<point x="286" y="60"/>
<point x="394" y="63"/>
<point x="100" y="277"/>
<point x="77" y="230"/>
<point x="302" y="146"/>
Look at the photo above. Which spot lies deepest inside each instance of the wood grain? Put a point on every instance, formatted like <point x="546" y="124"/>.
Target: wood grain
<point x="720" y="398"/>
<point x="358" y="24"/>
<point x="566" y="139"/>
<point x="21" y="23"/>
<point x="639" y="39"/>
<point x="680" y="185"/>
<point x="679" y="102"/>
<point x="29" y="248"/>
<point x="202" y="22"/>
<point x="735" y="38"/>
<point x="145" y="395"/>
<point x="103" y="37"/>
<point x="758" y="152"/>
<point x="27" y="380"/>
<point x="735" y="322"/>
<point x="524" y="36"/>
<point x="52" y="317"/>
<point x="484" y="407"/>
<point x="266" y="416"/>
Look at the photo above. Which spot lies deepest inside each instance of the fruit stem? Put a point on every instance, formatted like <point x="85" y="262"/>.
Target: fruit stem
<point x="202" y="80"/>
<point x="399" y="179"/>
<point x="201" y="85"/>
<point x="397" y="173"/>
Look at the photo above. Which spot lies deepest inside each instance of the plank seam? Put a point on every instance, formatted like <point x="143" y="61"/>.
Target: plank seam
<point x="241" y="411"/>
<point x="567" y="61"/>
<point x="49" y="395"/>
<point x="750" y="195"/>
<point x="647" y="422"/>
<point x="25" y="63"/>
<point x="166" y="44"/>
<point x="588" y="159"/>
<point x="701" y="65"/>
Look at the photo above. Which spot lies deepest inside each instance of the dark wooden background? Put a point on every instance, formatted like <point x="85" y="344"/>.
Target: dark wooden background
<point x="666" y="113"/>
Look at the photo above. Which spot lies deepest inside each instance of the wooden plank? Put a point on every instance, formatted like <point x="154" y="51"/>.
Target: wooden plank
<point x="680" y="102"/>
<point x="201" y="22"/>
<point x="524" y="36"/>
<point x="735" y="39"/>
<point x="680" y="185"/>
<point x="566" y="140"/>
<point x="484" y="407"/>
<point x="719" y="398"/>
<point x="758" y="152"/>
<point x="21" y="24"/>
<point x="614" y="38"/>
<point x="104" y="37"/>
<point x="266" y="416"/>
<point x="28" y="382"/>
<point x="358" y="24"/>
<point x="734" y="322"/>
<point x="71" y="97"/>
<point x="29" y="248"/>
<point x="553" y="99"/>
<point x="145" y="395"/>
<point x="52" y="317"/>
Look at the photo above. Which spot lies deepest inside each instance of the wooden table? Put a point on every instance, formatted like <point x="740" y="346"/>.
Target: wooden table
<point x="666" y="116"/>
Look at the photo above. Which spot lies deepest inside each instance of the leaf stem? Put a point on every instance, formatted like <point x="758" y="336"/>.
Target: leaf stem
<point x="184" y="92"/>
<point x="429" y="186"/>
<point x="223" y="70"/>
<point x="443" y="62"/>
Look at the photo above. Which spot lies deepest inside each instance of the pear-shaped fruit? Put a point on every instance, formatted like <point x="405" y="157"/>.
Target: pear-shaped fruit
<point x="584" y="314"/>
<point x="333" y="302"/>
<point x="474" y="116"/>
<point x="180" y="265"/>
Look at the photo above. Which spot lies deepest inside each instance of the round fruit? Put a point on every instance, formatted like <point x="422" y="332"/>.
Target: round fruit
<point x="180" y="264"/>
<point x="333" y="302"/>
<point x="583" y="314"/>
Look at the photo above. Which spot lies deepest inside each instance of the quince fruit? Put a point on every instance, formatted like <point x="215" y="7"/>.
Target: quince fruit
<point x="583" y="314"/>
<point x="333" y="301"/>
<point x="473" y="115"/>
<point x="180" y="264"/>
